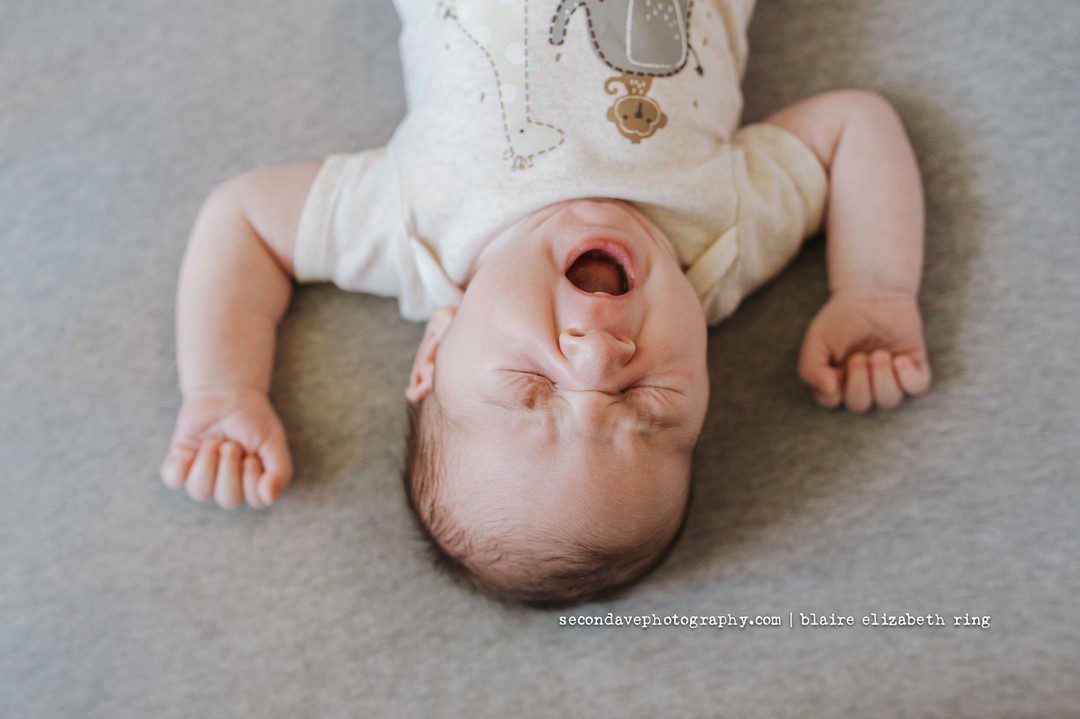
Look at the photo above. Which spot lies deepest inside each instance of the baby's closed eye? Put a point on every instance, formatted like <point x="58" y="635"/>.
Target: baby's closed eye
<point x="652" y="405"/>
<point x="531" y="388"/>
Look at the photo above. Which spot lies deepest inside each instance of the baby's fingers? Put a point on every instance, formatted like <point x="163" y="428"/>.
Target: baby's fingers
<point x="174" y="470"/>
<point x="227" y="491"/>
<point x="857" y="397"/>
<point x="913" y="373"/>
<point x="253" y="469"/>
<point x="200" y="481"/>
<point x="887" y="392"/>
<point x="825" y="384"/>
<point x="278" y="464"/>
<point x="821" y="377"/>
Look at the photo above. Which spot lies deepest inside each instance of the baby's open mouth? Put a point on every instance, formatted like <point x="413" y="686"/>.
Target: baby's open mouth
<point x="598" y="271"/>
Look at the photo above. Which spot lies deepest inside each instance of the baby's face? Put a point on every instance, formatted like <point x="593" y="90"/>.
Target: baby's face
<point x="572" y="377"/>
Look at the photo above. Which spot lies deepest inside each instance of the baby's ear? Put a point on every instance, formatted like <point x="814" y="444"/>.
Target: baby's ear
<point x="423" y="369"/>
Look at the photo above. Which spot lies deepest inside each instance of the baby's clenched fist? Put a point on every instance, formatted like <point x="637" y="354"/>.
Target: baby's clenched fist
<point x="864" y="349"/>
<point x="230" y="445"/>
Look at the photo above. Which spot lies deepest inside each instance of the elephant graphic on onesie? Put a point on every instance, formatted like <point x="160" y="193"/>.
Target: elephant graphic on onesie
<point x="638" y="38"/>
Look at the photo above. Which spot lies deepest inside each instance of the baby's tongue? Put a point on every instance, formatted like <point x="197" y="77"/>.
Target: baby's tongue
<point x="595" y="272"/>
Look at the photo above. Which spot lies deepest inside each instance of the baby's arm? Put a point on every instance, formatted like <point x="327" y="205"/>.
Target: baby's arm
<point x="866" y="344"/>
<point x="235" y="283"/>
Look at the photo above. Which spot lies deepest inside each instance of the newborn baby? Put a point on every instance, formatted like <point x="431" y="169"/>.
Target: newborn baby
<point x="569" y="203"/>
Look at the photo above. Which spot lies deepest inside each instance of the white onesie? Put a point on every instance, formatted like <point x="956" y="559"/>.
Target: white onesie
<point x="517" y="104"/>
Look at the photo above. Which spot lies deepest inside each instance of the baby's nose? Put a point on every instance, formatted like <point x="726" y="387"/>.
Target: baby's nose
<point x="595" y="355"/>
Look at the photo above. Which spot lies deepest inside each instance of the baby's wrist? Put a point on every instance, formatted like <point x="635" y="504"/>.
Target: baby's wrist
<point x="874" y="292"/>
<point x="232" y="390"/>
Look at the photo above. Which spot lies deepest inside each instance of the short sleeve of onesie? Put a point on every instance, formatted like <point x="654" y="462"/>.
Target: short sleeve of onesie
<point x="781" y="190"/>
<point x="354" y="232"/>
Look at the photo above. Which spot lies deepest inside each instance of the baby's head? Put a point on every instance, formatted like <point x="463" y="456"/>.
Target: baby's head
<point x="554" y="413"/>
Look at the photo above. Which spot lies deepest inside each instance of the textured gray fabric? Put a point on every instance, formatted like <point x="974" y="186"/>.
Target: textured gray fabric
<point x="120" y="599"/>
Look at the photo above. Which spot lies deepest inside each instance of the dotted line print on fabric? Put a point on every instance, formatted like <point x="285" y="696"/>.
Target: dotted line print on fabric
<point x="641" y="39"/>
<point x="499" y="28"/>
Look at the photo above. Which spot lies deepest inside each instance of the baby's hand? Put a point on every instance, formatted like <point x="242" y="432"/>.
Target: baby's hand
<point x="865" y="348"/>
<point x="228" y="443"/>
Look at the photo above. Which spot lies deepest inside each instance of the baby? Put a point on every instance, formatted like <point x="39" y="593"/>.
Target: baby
<point x="569" y="203"/>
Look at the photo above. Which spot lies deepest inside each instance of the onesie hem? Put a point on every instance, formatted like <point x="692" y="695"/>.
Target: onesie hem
<point x="313" y="233"/>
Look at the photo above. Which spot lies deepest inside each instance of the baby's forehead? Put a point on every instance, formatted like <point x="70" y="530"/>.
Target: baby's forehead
<point x="536" y="434"/>
<point x="520" y="470"/>
<point x="553" y="503"/>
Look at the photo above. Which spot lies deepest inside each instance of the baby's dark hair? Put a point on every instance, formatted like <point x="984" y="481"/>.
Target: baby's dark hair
<point x="553" y="573"/>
